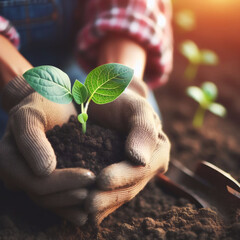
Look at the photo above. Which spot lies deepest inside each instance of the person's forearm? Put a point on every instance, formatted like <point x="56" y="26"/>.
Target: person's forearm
<point x="121" y="49"/>
<point x="12" y="63"/>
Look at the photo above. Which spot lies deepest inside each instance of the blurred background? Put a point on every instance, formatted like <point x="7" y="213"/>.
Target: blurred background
<point x="213" y="25"/>
<point x="217" y="24"/>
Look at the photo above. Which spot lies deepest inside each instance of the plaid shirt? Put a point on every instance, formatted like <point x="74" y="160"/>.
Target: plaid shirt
<point x="148" y="22"/>
<point x="9" y="31"/>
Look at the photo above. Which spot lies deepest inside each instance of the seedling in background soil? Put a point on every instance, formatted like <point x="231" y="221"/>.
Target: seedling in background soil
<point x="205" y="96"/>
<point x="196" y="57"/>
<point x="102" y="85"/>
<point x="186" y="20"/>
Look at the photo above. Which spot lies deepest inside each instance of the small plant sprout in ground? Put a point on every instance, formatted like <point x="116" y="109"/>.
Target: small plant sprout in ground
<point x="185" y="19"/>
<point x="102" y="85"/>
<point x="196" y="57"/>
<point x="205" y="96"/>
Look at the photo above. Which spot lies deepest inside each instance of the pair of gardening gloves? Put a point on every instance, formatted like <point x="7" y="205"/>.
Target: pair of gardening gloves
<point x="28" y="162"/>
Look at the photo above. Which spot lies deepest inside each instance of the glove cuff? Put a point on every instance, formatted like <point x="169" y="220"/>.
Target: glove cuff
<point x="139" y="87"/>
<point x="14" y="92"/>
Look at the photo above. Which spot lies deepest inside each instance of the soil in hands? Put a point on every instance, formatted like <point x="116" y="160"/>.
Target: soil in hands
<point x="153" y="214"/>
<point x="95" y="150"/>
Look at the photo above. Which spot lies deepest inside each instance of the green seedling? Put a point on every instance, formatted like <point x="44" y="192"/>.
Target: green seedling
<point x="102" y="85"/>
<point x="205" y="96"/>
<point x="186" y="20"/>
<point x="196" y="57"/>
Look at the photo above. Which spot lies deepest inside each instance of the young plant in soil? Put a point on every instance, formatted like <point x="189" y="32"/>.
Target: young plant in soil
<point x="196" y="57"/>
<point x="185" y="19"/>
<point x="205" y="96"/>
<point x="102" y="85"/>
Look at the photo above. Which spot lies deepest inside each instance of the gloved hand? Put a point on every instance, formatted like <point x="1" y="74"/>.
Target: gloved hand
<point x="146" y="145"/>
<point x="27" y="160"/>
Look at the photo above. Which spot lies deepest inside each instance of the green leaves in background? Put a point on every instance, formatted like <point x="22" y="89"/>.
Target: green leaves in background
<point x="79" y="92"/>
<point x="209" y="57"/>
<point x="51" y="83"/>
<point x="217" y="109"/>
<point x="195" y="93"/>
<point x="190" y="50"/>
<point x="196" y="57"/>
<point x="205" y="96"/>
<point x="210" y="91"/>
<point x="106" y="82"/>
<point x="185" y="19"/>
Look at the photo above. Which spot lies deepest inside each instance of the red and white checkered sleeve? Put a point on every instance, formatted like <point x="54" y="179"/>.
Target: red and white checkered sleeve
<point x="146" y="21"/>
<point x="7" y="30"/>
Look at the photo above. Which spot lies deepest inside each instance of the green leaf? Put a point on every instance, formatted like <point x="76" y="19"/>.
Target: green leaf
<point x="190" y="50"/>
<point x="51" y="82"/>
<point x="186" y="19"/>
<point x="209" y="57"/>
<point x="106" y="82"/>
<point x="79" y="92"/>
<point x="217" y="109"/>
<point x="210" y="91"/>
<point x="196" y="93"/>
<point x="82" y="117"/>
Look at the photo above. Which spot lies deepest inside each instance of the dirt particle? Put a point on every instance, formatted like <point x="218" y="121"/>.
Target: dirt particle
<point x="108" y="144"/>
<point x="158" y="233"/>
<point x="148" y="223"/>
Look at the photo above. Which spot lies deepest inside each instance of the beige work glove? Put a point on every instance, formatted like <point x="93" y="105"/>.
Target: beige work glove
<point x="146" y="146"/>
<point x="27" y="160"/>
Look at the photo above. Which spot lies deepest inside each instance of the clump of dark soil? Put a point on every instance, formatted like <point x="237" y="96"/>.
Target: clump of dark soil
<point x="95" y="150"/>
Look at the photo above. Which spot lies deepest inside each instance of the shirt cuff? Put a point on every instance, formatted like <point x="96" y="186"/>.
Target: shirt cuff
<point x="7" y="30"/>
<point x="147" y="24"/>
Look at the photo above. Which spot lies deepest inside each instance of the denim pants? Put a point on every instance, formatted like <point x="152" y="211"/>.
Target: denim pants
<point x="47" y="33"/>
